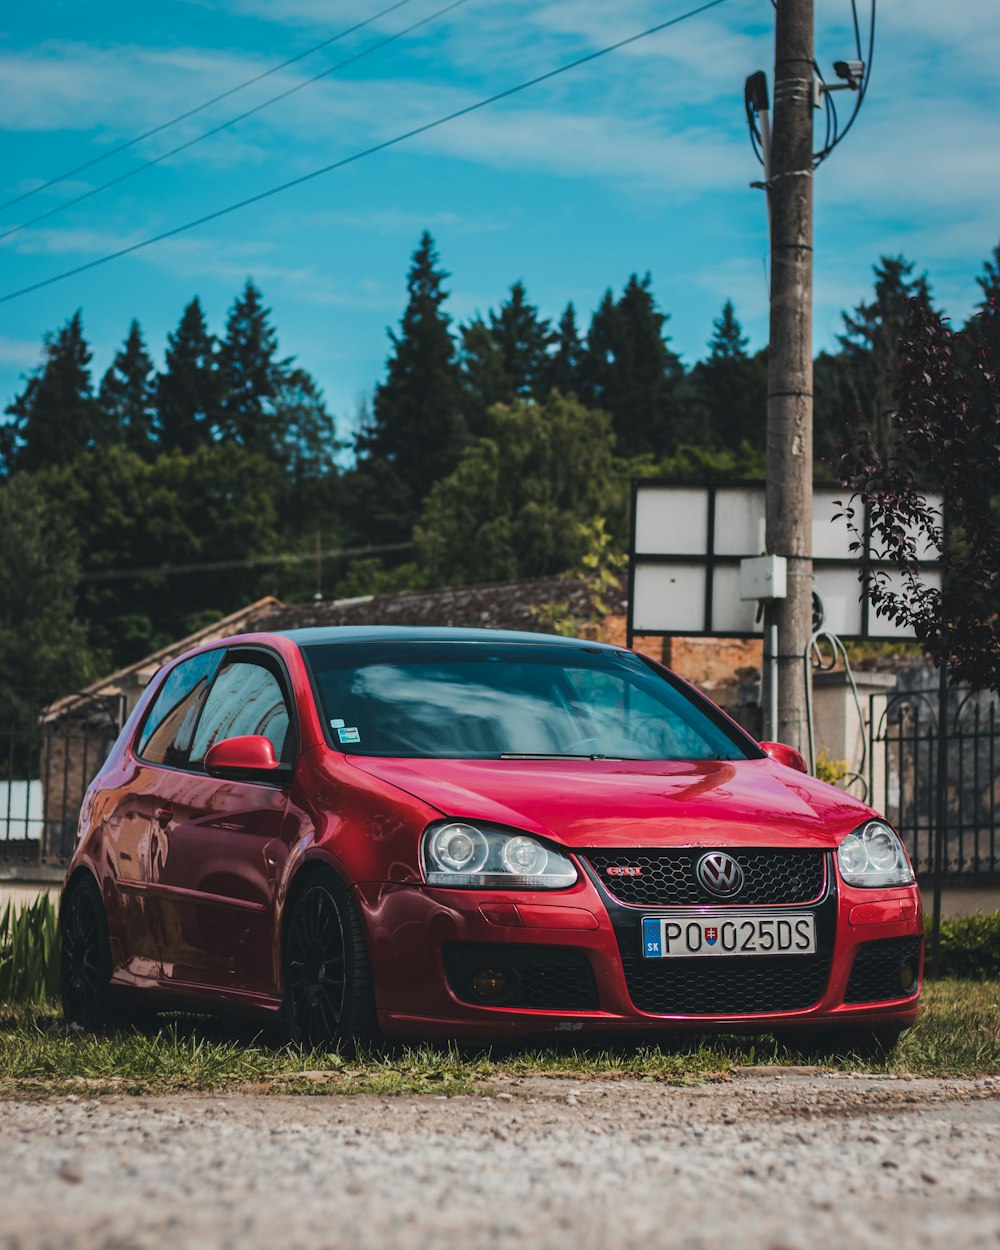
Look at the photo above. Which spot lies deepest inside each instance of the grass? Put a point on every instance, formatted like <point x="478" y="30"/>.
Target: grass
<point x="958" y="1034"/>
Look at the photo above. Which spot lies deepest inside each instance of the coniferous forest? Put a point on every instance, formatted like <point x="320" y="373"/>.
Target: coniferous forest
<point x="490" y="450"/>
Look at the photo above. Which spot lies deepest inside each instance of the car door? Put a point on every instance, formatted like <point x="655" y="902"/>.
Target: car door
<point x="223" y="843"/>
<point x="135" y="831"/>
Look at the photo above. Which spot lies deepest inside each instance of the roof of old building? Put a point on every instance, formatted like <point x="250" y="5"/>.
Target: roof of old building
<point x="497" y="605"/>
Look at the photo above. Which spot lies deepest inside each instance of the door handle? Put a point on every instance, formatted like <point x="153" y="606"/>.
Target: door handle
<point x="163" y="816"/>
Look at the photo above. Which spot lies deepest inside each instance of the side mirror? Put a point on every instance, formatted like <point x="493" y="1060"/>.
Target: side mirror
<point x="782" y="754"/>
<point x="248" y="758"/>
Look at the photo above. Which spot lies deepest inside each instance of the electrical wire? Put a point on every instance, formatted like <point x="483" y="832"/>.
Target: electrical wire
<point x="200" y="108"/>
<point x="838" y="134"/>
<point x="357" y="156"/>
<point x="232" y="121"/>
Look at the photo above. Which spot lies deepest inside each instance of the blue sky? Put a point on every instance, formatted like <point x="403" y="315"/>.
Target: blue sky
<point x="638" y="162"/>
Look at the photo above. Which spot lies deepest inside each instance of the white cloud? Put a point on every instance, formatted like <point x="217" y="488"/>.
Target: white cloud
<point x="19" y="352"/>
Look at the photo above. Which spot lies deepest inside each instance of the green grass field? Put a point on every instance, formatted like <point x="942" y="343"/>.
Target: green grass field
<point x="958" y="1034"/>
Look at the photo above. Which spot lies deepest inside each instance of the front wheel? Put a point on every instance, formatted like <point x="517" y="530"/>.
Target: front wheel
<point x="85" y="962"/>
<point x="329" y="1001"/>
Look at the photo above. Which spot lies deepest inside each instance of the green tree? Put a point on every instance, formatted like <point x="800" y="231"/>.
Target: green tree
<point x="250" y="377"/>
<point x="631" y="372"/>
<point x="215" y="507"/>
<point x="514" y="505"/>
<point x="485" y="380"/>
<point x="43" y="648"/>
<point x="728" y="390"/>
<point x="860" y="381"/>
<point x="985" y="320"/>
<point x="562" y="371"/>
<point x="55" y="418"/>
<point x="417" y="427"/>
<point x="187" y="391"/>
<point x="523" y="339"/>
<point x="127" y="395"/>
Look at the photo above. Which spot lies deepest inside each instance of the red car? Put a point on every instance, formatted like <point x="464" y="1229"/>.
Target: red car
<point x="443" y="833"/>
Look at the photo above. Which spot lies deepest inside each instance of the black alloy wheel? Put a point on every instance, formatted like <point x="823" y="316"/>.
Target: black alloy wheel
<point x="328" y="991"/>
<point x="86" y="957"/>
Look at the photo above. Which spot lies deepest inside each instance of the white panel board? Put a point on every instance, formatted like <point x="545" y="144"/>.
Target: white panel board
<point x="671" y="520"/>
<point x="840" y="591"/>
<point x="673" y="593"/>
<point x="739" y="521"/>
<point x="730" y="613"/>
<point x="832" y="539"/>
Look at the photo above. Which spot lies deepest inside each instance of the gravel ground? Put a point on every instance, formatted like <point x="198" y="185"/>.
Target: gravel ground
<point x="775" y="1162"/>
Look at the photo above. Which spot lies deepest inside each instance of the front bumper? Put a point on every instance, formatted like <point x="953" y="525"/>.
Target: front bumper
<point x="586" y="948"/>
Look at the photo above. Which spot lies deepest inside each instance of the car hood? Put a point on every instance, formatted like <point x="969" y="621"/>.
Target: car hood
<point x="616" y="803"/>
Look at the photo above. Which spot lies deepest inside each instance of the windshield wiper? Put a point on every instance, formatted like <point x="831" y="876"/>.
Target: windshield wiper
<point x="551" y="755"/>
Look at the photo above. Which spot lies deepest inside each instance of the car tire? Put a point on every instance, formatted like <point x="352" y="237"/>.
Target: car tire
<point x="85" y="955"/>
<point x="329" y="1001"/>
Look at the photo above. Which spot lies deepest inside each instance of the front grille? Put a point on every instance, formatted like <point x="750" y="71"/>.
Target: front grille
<point x="546" y="978"/>
<point x="668" y="877"/>
<point x="724" y="987"/>
<point x="875" y="975"/>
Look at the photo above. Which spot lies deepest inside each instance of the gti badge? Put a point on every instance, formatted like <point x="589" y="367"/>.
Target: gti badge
<point x="623" y="870"/>
<point x="720" y="874"/>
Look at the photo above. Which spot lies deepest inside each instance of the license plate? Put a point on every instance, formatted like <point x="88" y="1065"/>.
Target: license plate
<point x="666" y="937"/>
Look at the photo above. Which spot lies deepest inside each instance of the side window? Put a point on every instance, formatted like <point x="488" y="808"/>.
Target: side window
<point x="166" y="735"/>
<point x="245" y="698"/>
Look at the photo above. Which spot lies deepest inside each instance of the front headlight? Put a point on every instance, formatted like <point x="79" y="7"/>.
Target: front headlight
<point x="873" y="856"/>
<point x="468" y="856"/>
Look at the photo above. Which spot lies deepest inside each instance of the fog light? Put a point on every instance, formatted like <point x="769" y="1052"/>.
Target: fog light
<point x="908" y="975"/>
<point x="489" y="984"/>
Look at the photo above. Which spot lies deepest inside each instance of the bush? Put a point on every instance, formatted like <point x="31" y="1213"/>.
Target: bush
<point x="29" y="952"/>
<point x="970" y="946"/>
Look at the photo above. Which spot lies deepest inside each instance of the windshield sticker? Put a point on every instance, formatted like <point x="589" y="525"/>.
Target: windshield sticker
<point x="337" y="723"/>
<point x="348" y="735"/>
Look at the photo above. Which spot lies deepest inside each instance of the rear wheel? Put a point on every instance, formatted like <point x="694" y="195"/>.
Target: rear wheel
<point x="85" y="956"/>
<point x="329" y="1000"/>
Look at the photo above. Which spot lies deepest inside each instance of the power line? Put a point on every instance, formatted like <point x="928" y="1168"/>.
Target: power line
<point x="357" y="156"/>
<point x="232" y="121"/>
<point x="214" y="566"/>
<point x="200" y="108"/>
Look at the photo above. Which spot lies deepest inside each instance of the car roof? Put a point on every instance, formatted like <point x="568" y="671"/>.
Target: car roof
<point x="420" y="633"/>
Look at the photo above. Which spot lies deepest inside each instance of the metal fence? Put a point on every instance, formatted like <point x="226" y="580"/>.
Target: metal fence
<point x="46" y="764"/>
<point x="903" y="765"/>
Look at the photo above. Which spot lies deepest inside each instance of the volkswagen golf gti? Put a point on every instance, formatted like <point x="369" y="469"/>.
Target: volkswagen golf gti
<point x="476" y="834"/>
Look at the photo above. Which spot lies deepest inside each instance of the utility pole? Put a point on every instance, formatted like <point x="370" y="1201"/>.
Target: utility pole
<point x="789" y="371"/>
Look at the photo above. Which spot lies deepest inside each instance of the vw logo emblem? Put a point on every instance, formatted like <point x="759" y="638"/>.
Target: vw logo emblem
<point x="720" y="874"/>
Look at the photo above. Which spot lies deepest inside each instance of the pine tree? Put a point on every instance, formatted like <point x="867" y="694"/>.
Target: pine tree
<point x="187" y="391"/>
<point x="632" y="373"/>
<point x="250" y="376"/>
<point x="728" y="341"/>
<point x="862" y="380"/>
<point x="523" y="339"/>
<point x="563" y="369"/>
<point x="126" y="396"/>
<point x="729" y="389"/>
<point x="485" y="381"/>
<point x="55" y="418"/>
<point x="987" y="312"/>
<point x="416" y="426"/>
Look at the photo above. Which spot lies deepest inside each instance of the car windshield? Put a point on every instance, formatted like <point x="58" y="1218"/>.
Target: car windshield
<point x="484" y="700"/>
